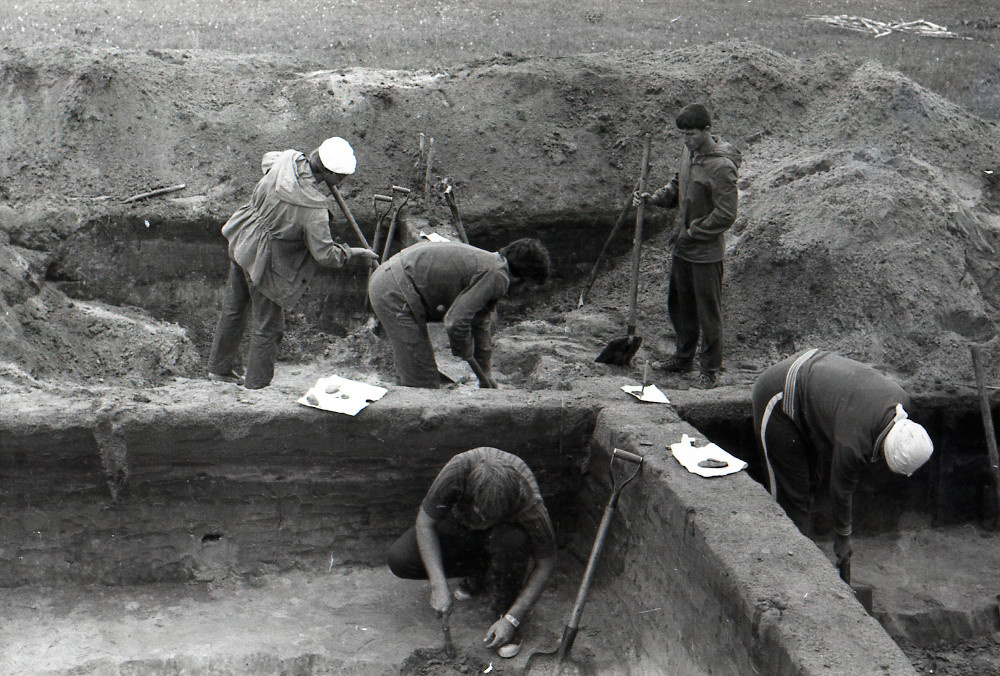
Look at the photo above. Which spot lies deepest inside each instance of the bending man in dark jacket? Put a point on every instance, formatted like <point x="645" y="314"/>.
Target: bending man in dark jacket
<point x="276" y="243"/>
<point x="704" y="191"/>
<point x="454" y="283"/>
<point x="820" y="418"/>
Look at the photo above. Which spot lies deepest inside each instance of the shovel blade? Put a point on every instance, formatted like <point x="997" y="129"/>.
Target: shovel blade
<point x="620" y="351"/>
<point x="549" y="664"/>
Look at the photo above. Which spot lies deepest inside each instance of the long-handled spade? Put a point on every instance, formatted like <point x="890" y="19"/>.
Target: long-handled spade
<point x="621" y="350"/>
<point x="556" y="661"/>
<point x="370" y="321"/>
<point x="604" y="249"/>
<point x="394" y="220"/>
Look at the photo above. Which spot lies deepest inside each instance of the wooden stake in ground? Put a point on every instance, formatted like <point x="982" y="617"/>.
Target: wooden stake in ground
<point x="984" y="405"/>
<point x="427" y="173"/>
<point x="154" y="193"/>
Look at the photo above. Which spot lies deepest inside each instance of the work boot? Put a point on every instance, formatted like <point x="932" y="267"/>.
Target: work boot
<point x="675" y="364"/>
<point x="706" y="380"/>
<point x="231" y="377"/>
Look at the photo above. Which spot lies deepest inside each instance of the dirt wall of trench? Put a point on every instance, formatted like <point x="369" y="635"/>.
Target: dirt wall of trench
<point x="709" y="577"/>
<point x="130" y="492"/>
<point x="701" y="576"/>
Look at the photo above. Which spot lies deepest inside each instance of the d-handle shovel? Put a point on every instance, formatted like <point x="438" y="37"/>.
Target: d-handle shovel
<point x="555" y="661"/>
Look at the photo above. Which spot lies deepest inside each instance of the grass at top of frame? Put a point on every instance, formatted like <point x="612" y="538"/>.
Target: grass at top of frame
<point x="435" y="34"/>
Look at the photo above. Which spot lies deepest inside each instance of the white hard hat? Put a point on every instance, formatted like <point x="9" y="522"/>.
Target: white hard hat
<point x="907" y="446"/>
<point x="337" y="156"/>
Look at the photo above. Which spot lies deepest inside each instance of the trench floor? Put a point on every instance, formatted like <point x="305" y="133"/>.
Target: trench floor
<point x="354" y="619"/>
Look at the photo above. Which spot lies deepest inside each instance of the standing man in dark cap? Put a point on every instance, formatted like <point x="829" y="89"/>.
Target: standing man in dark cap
<point x="704" y="191"/>
<point x="277" y="241"/>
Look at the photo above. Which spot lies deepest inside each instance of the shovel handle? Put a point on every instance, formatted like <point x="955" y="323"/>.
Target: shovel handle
<point x="481" y="374"/>
<point x="604" y="249"/>
<point x="347" y="213"/>
<point x="844" y="568"/>
<point x="626" y="455"/>
<point x="637" y="242"/>
<point x="449" y="197"/>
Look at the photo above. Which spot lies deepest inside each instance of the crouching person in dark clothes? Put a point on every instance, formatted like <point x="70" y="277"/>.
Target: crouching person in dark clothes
<point x="821" y="419"/>
<point x="452" y="283"/>
<point x="482" y="519"/>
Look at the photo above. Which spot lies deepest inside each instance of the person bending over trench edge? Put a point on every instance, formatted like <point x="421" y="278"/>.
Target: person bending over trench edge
<point x="820" y="417"/>
<point x="483" y="518"/>
<point x="451" y="282"/>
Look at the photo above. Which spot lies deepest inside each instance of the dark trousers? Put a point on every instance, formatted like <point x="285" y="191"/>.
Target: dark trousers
<point x="411" y="344"/>
<point x="241" y="303"/>
<point x="790" y="458"/>
<point x="499" y="554"/>
<point x="694" y="299"/>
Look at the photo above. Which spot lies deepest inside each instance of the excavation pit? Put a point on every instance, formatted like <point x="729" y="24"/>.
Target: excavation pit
<point x="248" y="534"/>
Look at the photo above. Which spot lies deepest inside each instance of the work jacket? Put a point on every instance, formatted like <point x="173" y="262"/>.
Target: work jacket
<point x="844" y="409"/>
<point x="454" y="283"/>
<point x="704" y="191"/>
<point x="282" y="235"/>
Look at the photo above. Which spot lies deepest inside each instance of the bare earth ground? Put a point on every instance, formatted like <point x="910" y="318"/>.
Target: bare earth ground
<point x="869" y="224"/>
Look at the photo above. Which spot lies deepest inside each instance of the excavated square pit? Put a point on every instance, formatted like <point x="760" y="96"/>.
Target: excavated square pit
<point x="145" y="538"/>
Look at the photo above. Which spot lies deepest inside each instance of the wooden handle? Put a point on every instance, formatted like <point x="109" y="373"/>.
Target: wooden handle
<point x="347" y="213"/>
<point x="637" y="242"/>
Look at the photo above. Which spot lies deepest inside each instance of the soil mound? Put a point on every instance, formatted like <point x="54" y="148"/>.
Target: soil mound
<point x="868" y="221"/>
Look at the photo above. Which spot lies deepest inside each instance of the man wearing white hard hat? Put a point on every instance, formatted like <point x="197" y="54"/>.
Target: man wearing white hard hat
<point x="822" y="418"/>
<point x="277" y="241"/>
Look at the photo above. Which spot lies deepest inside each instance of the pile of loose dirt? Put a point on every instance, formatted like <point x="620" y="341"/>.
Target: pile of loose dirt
<point x="867" y="223"/>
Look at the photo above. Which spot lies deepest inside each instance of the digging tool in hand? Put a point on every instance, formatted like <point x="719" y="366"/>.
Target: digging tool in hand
<point x="394" y="220"/>
<point x="481" y="374"/>
<point x="862" y="592"/>
<point x="604" y="249"/>
<point x="621" y="350"/>
<point x="556" y="661"/>
<point x="449" y="197"/>
<point x="379" y="220"/>
<point x="449" y="646"/>
<point x="371" y="322"/>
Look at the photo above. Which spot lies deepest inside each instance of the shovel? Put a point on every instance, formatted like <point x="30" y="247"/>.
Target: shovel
<point x="394" y="220"/>
<point x="862" y="592"/>
<point x="481" y="374"/>
<point x="604" y="250"/>
<point x="449" y="196"/>
<point x="555" y="661"/>
<point x="621" y="350"/>
<point x="369" y="321"/>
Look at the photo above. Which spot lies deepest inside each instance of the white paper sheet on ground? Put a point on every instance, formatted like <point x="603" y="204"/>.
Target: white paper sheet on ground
<point x="649" y="393"/>
<point x="341" y="395"/>
<point x="434" y="237"/>
<point x="690" y="457"/>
